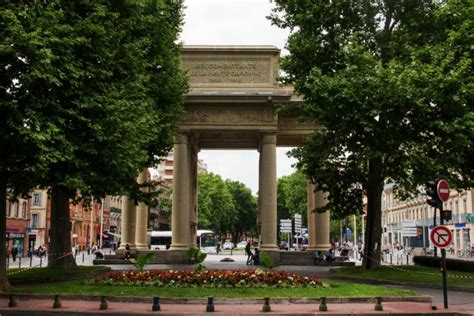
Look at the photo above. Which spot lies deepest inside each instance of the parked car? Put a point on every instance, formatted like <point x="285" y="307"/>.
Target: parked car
<point x="241" y="244"/>
<point x="228" y="245"/>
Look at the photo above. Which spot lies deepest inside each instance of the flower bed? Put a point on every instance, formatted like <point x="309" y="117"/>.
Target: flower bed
<point x="208" y="278"/>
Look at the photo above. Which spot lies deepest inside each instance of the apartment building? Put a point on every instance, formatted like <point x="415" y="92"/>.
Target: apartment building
<point x="398" y="214"/>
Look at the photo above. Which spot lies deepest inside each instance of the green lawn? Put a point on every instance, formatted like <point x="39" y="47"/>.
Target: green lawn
<point x="331" y="289"/>
<point x="33" y="274"/>
<point x="415" y="274"/>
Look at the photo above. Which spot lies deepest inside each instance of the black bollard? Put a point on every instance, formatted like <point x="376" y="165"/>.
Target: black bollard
<point x="82" y="257"/>
<point x="12" y="301"/>
<point x="19" y="263"/>
<point x="57" y="302"/>
<point x="31" y="261"/>
<point x="103" y="302"/>
<point x="156" y="304"/>
<point x="322" y="305"/>
<point x="210" y="304"/>
<point x="378" y="304"/>
<point x="41" y="262"/>
<point x="266" y="305"/>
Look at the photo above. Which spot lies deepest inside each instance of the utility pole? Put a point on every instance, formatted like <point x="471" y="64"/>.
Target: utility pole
<point x="91" y="230"/>
<point x="101" y="223"/>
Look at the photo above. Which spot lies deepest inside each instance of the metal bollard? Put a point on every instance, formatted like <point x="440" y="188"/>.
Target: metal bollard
<point x="156" y="304"/>
<point x="19" y="263"/>
<point x="56" y="302"/>
<point x="12" y="301"/>
<point x="378" y="304"/>
<point x="210" y="304"/>
<point x="82" y="257"/>
<point x="41" y="262"/>
<point x="391" y="262"/>
<point x="266" y="305"/>
<point x="322" y="305"/>
<point x="103" y="302"/>
<point x="407" y="260"/>
<point x="31" y="261"/>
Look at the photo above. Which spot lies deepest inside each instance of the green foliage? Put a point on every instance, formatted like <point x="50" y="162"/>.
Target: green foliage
<point x="197" y="257"/>
<point x="451" y="264"/>
<point x="390" y="84"/>
<point x="91" y="96"/>
<point x="216" y="206"/>
<point x="142" y="260"/>
<point x="245" y="205"/>
<point x="292" y="196"/>
<point x="266" y="261"/>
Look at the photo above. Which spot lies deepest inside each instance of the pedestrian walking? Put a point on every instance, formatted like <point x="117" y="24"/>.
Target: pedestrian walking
<point x="249" y="253"/>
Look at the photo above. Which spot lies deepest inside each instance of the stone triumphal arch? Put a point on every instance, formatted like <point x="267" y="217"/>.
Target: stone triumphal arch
<point x="235" y="102"/>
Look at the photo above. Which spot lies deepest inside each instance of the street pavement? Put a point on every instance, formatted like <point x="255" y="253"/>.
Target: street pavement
<point x="459" y="302"/>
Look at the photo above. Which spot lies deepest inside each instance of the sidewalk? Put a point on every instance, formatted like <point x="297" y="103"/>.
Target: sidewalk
<point x="39" y="307"/>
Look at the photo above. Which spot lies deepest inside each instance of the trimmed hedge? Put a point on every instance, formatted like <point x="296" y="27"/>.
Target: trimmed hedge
<point x="451" y="264"/>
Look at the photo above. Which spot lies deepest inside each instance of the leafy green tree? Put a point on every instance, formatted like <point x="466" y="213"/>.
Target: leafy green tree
<point x="245" y="208"/>
<point x="292" y="191"/>
<point x="216" y="207"/>
<point x="390" y="84"/>
<point x="96" y="88"/>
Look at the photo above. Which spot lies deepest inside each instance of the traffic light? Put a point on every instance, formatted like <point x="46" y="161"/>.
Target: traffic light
<point x="432" y="192"/>
<point x="447" y="215"/>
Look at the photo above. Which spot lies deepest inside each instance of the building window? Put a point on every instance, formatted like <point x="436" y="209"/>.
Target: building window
<point x="36" y="199"/>
<point x="17" y="209"/>
<point x="23" y="210"/>
<point x="34" y="220"/>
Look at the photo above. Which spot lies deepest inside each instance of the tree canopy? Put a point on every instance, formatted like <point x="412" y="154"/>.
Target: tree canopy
<point x="94" y="89"/>
<point x="225" y="206"/>
<point x="390" y="85"/>
<point x="292" y="196"/>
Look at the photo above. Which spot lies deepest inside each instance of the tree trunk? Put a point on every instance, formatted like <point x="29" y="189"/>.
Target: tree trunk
<point x="373" y="235"/>
<point x="60" y="252"/>
<point x="4" y="284"/>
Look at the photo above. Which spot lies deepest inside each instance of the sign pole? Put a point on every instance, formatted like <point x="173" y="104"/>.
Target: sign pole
<point x="443" y="261"/>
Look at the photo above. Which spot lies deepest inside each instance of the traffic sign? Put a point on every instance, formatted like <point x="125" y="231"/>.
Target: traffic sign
<point x="441" y="236"/>
<point x="443" y="190"/>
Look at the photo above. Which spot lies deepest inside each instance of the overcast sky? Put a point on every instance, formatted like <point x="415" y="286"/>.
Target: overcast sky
<point x="234" y="22"/>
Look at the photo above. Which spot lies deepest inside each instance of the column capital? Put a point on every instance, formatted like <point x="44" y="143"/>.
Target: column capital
<point x="181" y="138"/>
<point x="268" y="138"/>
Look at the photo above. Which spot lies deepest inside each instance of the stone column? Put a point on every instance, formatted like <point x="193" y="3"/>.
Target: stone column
<point x="311" y="217"/>
<point x="268" y="193"/>
<point x="180" y="211"/>
<point x="141" y="218"/>
<point x="128" y="224"/>
<point x="193" y="205"/>
<point x="321" y="221"/>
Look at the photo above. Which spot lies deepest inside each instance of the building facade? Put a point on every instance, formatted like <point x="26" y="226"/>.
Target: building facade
<point x="18" y="225"/>
<point x="39" y="219"/>
<point x="397" y="215"/>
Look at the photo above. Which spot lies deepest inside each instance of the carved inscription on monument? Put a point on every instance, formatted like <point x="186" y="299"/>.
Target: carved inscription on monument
<point x="228" y="71"/>
<point x="200" y="116"/>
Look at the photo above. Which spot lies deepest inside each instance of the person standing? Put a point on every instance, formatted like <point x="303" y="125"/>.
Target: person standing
<point x="14" y="253"/>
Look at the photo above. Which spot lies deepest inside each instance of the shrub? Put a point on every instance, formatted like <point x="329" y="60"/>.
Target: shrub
<point x="197" y="257"/>
<point x="451" y="264"/>
<point x="141" y="260"/>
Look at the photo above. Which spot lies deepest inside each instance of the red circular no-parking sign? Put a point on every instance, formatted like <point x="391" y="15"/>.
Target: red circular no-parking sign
<point x="441" y="236"/>
<point x="443" y="190"/>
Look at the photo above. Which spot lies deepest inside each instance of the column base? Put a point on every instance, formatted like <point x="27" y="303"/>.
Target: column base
<point x="142" y="247"/>
<point x="179" y="256"/>
<point x="323" y="247"/>
<point x="121" y="249"/>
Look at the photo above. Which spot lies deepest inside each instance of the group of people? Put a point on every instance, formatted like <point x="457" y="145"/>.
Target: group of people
<point x="252" y="258"/>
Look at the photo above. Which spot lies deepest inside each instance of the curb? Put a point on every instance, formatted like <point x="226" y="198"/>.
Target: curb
<point x="93" y="274"/>
<point x="227" y="301"/>
<point x="385" y="282"/>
